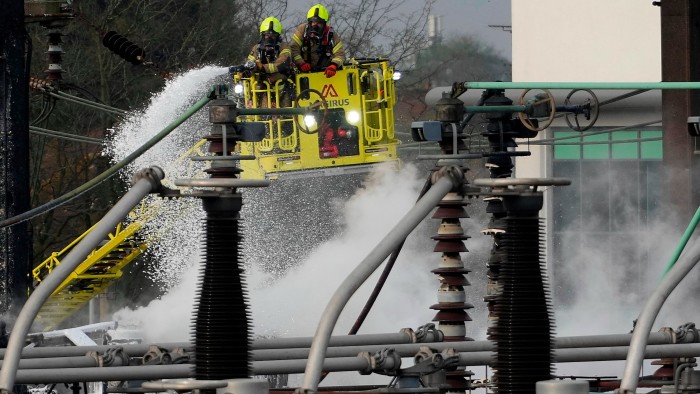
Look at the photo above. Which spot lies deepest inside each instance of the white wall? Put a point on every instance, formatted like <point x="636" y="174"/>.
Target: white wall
<point x="583" y="41"/>
<point x="586" y="40"/>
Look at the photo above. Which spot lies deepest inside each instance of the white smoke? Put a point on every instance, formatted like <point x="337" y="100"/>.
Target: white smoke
<point x="301" y="242"/>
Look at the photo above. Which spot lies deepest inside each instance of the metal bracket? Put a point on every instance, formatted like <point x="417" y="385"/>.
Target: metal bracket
<point x="115" y="357"/>
<point x="384" y="362"/>
<point x="425" y="331"/>
<point x="687" y="333"/>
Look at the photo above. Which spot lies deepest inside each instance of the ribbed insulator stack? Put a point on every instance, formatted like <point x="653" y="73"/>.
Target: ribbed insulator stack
<point x="495" y="229"/>
<point x="493" y="288"/>
<point x="221" y="332"/>
<point x="452" y="306"/>
<point x="225" y="168"/>
<point x="522" y="330"/>
<point x="120" y="45"/>
<point x="55" y="52"/>
<point x="666" y="369"/>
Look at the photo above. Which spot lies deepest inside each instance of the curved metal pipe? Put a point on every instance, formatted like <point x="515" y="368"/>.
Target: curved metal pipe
<point x="360" y="274"/>
<point x="146" y="181"/>
<point x="684" y="241"/>
<point x="646" y="319"/>
<point x="677" y="375"/>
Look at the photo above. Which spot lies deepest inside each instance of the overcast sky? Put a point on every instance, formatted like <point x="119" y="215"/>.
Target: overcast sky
<point x="474" y="17"/>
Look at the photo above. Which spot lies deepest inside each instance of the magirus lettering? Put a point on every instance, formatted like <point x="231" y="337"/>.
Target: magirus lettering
<point x="338" y="103"/>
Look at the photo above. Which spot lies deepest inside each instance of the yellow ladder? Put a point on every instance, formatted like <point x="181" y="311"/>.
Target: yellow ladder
<point x="102" y="267"/>
<point x="99" y="270"/>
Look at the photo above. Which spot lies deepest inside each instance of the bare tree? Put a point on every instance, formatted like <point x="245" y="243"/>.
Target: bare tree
<point x="174" y="34"/>
<point x="373" y="28"/>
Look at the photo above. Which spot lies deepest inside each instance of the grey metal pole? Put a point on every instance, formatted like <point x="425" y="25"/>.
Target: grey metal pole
<point x="96" y="374"/>
<point x="142" y="372"/>
<point x="94" y="310"/>
<point x="340" y="340"/>
<point x="70" y="351"/>
<point x="655" y="338"/>
<point x="59" y="362"/>
<point x="453" y="177"/>
<point x="297" y="366"/>
<point x="594" y="354"/>
<point x="621" y="352"/>
<point x="646" y="319"/>
<point x="265" y="351"/>
<point x="410" y="349"/>
<point x="68" y="375"/>
<point x="145" y="181"/>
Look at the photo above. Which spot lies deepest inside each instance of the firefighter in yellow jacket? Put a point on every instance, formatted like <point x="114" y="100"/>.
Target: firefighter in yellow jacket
<point x="270" y="60"/>
<point x="316" y="46"/>
<point x="271" y="55"/>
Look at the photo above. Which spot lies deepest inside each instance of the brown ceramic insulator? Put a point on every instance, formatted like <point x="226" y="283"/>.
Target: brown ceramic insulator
<point x="54" y="57"/>
<point x="223" y="172"/>
<point x="451" y="315"/>
<point x="450" y="271"/>
<point x="663" y="361"/>
<point x="450" y="246"/>
<point x="216" y="143"/>
<point x="450" y="211"/>
<point x="450" y="226"/>
<point x="450" y="236"/>
<point x="454" y="280"/>
<point x="456" y="380"/>
<point x="665" y="371"/>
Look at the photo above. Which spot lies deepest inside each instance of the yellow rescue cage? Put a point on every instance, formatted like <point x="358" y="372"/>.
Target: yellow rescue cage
<point x="355" y="133"/>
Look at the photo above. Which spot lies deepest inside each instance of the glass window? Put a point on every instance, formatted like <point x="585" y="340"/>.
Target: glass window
<point x="562" y="151"/>
<point x="625" y="150"/>
<point x="652" y="149"/>
<point x="593" y="147"/>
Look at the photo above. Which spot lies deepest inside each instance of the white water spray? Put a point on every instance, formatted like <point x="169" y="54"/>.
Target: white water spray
<point x="170" y="231"/>
<point x="334" y="226"/>
<point x="284" y="222"/>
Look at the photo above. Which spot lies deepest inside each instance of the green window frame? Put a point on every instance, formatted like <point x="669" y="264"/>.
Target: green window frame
<point x="646" y="144"/>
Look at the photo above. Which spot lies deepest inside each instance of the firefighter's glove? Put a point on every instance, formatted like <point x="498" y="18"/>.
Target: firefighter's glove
<point x="259" y="65"/>
<point x="330" y="70"/>
<point x="305" y="67"/>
